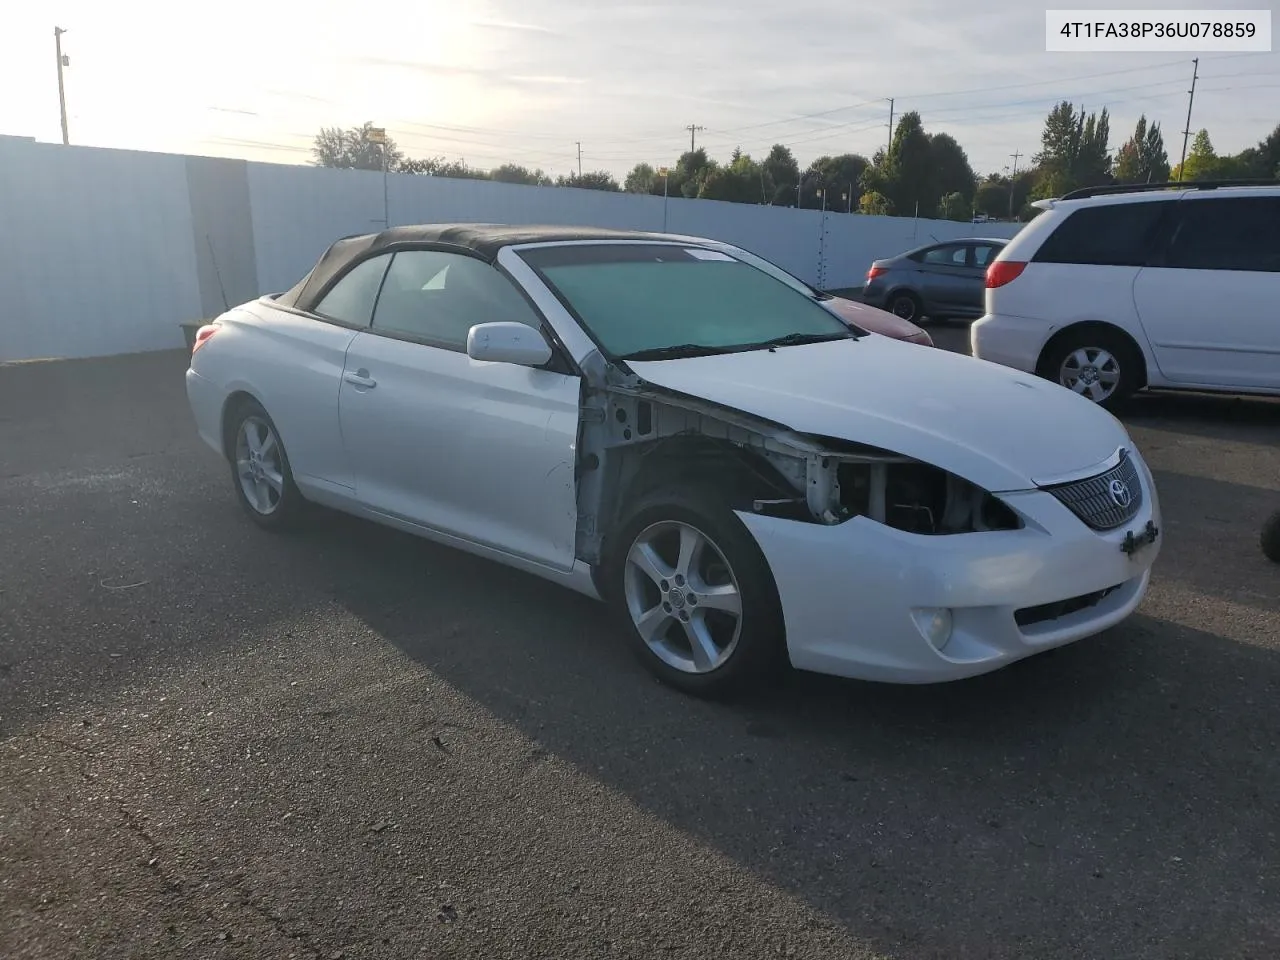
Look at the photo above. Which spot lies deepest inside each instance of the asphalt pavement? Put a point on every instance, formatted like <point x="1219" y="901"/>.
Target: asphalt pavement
<point x="218" y="742"/>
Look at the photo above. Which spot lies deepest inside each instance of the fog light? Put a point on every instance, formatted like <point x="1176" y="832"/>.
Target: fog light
<point x="935" y="624"/>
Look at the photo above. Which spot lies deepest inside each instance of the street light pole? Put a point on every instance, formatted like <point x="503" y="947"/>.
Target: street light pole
<point x="63" y="61"/>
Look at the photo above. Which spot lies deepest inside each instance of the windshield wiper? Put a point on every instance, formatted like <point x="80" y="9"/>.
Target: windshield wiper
<point x="796" y="340"/>
<point x="676" y="352"/>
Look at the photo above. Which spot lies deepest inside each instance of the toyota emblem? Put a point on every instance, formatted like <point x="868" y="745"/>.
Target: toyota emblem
<point x="1120" y="493"/>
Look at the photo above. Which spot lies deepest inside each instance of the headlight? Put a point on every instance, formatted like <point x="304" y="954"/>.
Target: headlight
<point x="920" y="498"/>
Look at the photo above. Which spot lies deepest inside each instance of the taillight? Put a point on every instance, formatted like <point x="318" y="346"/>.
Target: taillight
<point x="203" y="334"/>
<point x="1004" y="271"/>
<point x="875" y="272"/>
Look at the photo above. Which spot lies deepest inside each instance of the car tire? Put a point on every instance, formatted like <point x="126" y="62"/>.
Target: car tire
<point x="1081" y="361"/>
<point x="663" y="605"/>
<point x="1271" y="537"/>
<point x="260" y="471"/>
<point x="904" y="300"/>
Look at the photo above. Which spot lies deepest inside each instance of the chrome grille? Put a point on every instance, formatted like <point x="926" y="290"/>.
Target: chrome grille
<point x="1100" y="501"/>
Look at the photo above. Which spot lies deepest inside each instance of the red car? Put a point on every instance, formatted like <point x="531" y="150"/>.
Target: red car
<point x="876" y="320"/>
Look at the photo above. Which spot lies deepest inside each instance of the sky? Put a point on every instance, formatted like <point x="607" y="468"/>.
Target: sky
<point x="523" y="81"/>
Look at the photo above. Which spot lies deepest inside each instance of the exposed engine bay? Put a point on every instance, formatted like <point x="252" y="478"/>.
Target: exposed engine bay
<point x="634" y="436"/>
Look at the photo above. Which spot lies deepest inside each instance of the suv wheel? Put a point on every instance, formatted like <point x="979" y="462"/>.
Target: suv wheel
<point x="1096" y="364"/>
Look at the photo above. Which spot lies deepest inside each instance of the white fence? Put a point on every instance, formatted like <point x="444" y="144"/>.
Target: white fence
<point x="107" y="251"/>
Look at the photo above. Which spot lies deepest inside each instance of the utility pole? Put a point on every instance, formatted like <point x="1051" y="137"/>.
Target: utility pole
<point x="693" y="129"/>
<point x="1195" y="72"/>
<point x="890" y="147"/>
<point x="1013" y="179"/>
<point x="579" y="143"/>
<point x="63" y="61"/>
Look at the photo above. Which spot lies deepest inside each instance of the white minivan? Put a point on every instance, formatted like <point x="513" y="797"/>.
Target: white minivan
<point x="1113" y="289"/>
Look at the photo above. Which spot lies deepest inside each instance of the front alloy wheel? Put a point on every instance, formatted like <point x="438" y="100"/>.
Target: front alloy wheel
<point x="683" y="598"/>
<point x="694" y="593"/>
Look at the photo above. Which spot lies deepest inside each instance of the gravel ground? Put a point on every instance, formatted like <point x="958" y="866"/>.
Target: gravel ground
<point x="216" y="742"/>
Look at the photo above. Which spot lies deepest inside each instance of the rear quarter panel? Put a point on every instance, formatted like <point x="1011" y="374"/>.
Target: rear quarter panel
<point x="1054" y="296"/>
<point x="292" y="365"/>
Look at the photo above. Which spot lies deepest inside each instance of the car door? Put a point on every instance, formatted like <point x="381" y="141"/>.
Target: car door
<point x="1208" y="302"/>
<point x="944" y="277"/>
<point x="302" y="361"/>
<point x="477" y="450"/>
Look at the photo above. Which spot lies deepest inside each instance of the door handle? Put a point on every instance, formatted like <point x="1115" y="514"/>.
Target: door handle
<point x="360" y="378"/>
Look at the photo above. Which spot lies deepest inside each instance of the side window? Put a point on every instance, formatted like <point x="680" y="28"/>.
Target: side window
<point x="438" y="297"/>
<point x="983" y="254"/>
<point x="1237" y="233"/>
<point x="948" y="256"/>
<point x="1114" y="234"/>
<point x="350" y="300"/>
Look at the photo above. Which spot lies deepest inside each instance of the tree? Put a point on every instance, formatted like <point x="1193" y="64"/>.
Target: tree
<point x="838" y="176"/>
<point x="641" y="179"/>
<point x="354" y="149"/>
<point x="955" y="206"/>
<point x="459" y="170"/>
<point x="906" y="174"/>
<point x="1202" y="162"/>
<point x="1142" y="158"/>
<point x="513" y="173"/>
<point x="951" y="163"/>
<point x="690" y="170"/>
<point x="427" y="167"/>
<point x="1074" y="151"/>
<point x="591" y="180"/>
<point x="741" y="181"/>
<point x="993" y="194"/>
<point x="782" y="171"/>
<point x="875" y="204"/>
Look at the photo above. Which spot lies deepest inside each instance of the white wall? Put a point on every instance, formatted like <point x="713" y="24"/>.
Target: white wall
<point x="98" y="253"/>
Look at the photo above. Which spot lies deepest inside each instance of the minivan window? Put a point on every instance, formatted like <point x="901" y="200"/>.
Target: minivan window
<point x="1114" y="234"/>
<point x="1227" y="233"/>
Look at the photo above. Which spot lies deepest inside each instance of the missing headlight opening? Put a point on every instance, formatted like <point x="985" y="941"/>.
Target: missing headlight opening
<point x="919" y="498"/>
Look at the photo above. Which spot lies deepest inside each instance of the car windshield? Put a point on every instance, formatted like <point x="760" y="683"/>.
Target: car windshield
<point x="654" y="301"/>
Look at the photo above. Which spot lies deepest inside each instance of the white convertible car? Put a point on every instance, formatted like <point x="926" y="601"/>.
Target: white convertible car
<point x="745" y="478"/>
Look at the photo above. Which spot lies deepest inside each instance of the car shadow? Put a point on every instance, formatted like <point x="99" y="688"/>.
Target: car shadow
<point x="1246" y="419"/>
<point x="1119" y="794"/>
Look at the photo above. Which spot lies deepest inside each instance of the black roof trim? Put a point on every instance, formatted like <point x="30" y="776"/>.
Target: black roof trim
<point x="1114" y="188"/>
<point x="484" y="240"/>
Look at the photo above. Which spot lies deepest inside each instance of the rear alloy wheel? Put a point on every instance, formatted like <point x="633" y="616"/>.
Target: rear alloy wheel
<point x="697" y="595"/>
<point x="260" y="469"/>
<point x="906" y="306"/>
<point x="1095" y="364"/>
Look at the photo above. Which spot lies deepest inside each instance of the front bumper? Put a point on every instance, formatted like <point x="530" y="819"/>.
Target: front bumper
<point x="848" y="591"/>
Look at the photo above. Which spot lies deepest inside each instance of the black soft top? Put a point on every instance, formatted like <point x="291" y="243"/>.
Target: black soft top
<point x="482" y="239"/>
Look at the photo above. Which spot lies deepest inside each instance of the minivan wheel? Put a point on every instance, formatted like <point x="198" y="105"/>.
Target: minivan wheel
<point x="1096" y="364"/>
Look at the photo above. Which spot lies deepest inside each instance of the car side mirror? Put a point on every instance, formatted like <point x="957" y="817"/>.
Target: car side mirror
<point x="508" y="342"/>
